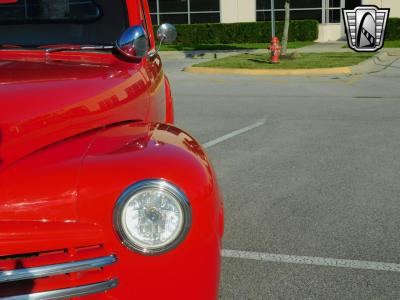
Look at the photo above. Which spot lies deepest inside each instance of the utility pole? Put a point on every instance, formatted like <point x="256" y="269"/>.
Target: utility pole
<point x="273" y="18"/>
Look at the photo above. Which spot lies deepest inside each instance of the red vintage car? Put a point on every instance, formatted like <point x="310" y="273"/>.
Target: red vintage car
<point x="101" y="197"/>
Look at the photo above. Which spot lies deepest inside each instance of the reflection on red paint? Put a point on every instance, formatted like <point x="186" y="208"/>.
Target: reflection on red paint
<point x="8" y="1"/>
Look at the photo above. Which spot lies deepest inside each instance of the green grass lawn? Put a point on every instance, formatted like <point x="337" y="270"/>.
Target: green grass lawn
<point x="292" y="45"/>
<point x="388" y="44"/>
<point x="392" y="44"/>
<point x="304" y="61"/>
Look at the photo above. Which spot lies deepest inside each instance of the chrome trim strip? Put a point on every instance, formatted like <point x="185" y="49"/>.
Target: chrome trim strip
<point x="68" y="293"/>
<point x="49" y="270"/>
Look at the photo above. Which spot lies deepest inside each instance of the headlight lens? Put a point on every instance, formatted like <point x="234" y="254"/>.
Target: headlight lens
<point x="152" y="217"/>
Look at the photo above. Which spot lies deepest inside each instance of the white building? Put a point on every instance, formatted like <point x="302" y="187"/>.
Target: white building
<point x="327" y="12"/>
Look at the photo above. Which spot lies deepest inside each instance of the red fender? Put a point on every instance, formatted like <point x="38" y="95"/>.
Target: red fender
<point x="124" y="155"/>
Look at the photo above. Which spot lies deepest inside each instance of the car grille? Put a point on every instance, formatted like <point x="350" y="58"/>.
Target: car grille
<point x="56" y="274"/>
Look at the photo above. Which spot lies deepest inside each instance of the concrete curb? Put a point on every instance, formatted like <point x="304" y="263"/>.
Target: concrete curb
<point x="276" y="72"/>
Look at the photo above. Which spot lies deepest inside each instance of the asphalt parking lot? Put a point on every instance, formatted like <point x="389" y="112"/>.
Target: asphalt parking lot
<point x="310" y="172"/>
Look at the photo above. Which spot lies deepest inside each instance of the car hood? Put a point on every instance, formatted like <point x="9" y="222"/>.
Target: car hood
<point x="45" y="101"/>
<point x="39" y="197"/>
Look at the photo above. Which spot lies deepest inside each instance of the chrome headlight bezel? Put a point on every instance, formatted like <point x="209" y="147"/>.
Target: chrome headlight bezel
<point x="164" y="187"/>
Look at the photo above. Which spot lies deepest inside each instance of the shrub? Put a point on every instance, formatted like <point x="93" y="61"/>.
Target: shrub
<point x="256" y="32"/>
<point x="393" y="29"/>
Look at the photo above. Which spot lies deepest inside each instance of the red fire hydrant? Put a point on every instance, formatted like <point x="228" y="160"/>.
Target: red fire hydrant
<point x="275" y="49"/>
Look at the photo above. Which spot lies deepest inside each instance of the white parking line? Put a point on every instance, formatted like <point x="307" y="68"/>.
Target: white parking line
<point x="316" y="261"/>
<point x="233" y="134"/>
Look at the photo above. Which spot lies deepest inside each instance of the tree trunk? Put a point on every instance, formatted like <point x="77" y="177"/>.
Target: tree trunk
<point x="286" y="28"/>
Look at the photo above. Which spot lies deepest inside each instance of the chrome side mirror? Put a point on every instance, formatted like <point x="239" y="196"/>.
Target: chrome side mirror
<point x="133" y="43"/>
<point x="167" y="33"/>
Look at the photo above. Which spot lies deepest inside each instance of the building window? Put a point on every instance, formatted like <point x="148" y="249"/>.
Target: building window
<point x="299" y="10"/>
<point x="309" y="14"/>
<point x="333" y="11"/>
<point x="325" y="11"/>
<point x="184" y="11"/>
<point x="351" y="4"/>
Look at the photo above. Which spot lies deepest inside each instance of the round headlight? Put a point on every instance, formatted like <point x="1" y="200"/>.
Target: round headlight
<point x="152" y="217"/>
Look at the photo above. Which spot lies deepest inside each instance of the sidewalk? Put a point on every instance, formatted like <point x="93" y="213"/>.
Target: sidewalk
<point x="205" y="54"/>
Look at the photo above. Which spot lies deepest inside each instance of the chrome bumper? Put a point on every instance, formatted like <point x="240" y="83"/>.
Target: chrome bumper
<point x="67" y="293"/>
<point x="58" y="269"/>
